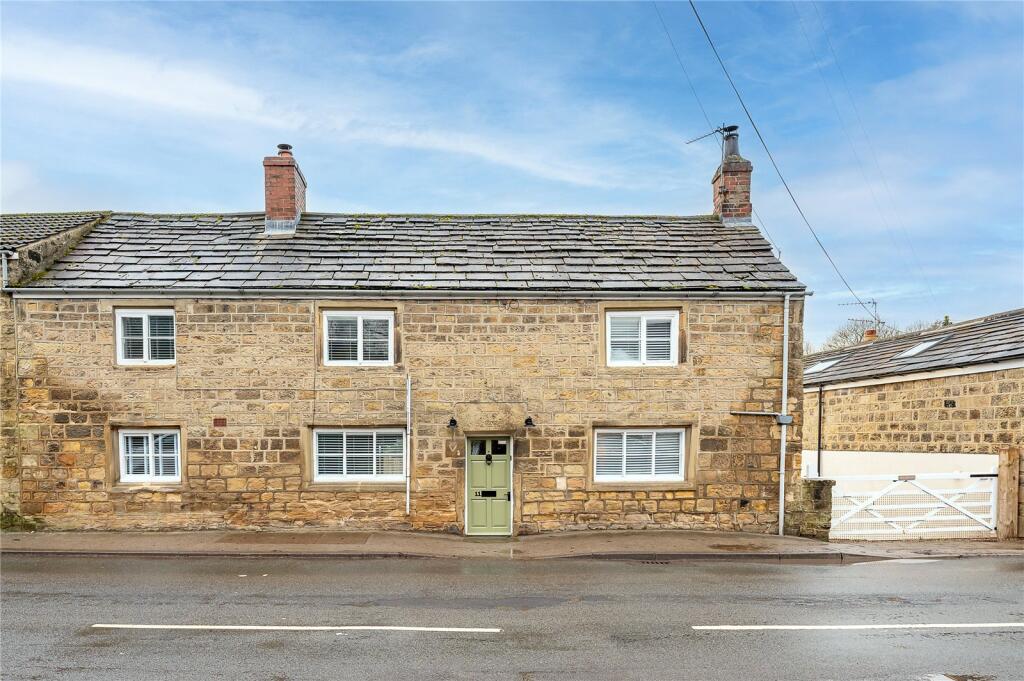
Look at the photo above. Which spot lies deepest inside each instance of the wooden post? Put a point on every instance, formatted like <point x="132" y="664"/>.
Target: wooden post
<point x="1009" y="491"/>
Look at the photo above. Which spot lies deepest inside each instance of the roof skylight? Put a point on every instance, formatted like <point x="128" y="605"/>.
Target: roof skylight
<point x="919" y="348"/>
<point x="822" y="365"/>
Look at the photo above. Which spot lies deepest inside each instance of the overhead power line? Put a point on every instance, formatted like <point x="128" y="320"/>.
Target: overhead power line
<point x="871" y="148"/>
<point x="853" y="147"/>
<point x="775" y="165"/>
<point x="707" y="119"/>
<point x="686" y="73"/>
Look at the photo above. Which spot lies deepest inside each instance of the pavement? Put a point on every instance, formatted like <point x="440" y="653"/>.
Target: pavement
<point x="295" y="619"/>
<point x="623" y="545"/>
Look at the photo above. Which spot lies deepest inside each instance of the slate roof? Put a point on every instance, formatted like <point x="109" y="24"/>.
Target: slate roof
<point x="20" y="230"/>
<point x="408" y="252"/>
<point x="994" y="338"/>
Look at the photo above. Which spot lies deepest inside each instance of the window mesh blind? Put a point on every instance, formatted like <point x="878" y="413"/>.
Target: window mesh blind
<point x="165" y="457"/>
<point x="659" y="340"/>
<point x="343" y="339"/>
<point x="132" y="338"/>
<point x="375" y="340"/>
<point x="161" y="337"/>
<point x="136" y="453"/>
<point x="624" y="333"/>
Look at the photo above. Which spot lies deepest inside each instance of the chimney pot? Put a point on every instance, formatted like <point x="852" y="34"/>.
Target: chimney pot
<point x="731" y="183"/>
<point x="869" y="335"/>
<point x="284" y="150"/>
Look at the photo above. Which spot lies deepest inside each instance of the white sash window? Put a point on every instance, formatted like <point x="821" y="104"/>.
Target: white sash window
<point x="150" y="456"/>
<point x="359" y="338"/>
<point x="640" y="455"/>
<point x="642" y="338"/>
<point x="358" y="455"/>
<point x="145" y="336"/>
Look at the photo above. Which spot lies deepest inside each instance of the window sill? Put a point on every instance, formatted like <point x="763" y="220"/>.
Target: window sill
<point x="629" y="486"/>
<point x="354" y="487"/>
<point x="147" y="487"/>
<point x="121" y="365"/>
<point x="337" y="365"/>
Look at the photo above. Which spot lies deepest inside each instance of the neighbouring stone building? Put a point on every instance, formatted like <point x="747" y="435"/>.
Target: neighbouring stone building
<point x="956" y="389"/>
<point x="29" y="244"/>
<point x="488" y="374"/>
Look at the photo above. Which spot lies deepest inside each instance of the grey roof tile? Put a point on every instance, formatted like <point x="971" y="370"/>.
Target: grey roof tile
<point x="977" y="341"/>
<point x="21" y="230"/>
<point x="394" y="252"/>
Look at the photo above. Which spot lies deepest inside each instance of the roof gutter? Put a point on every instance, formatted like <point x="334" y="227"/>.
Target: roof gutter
<point x="425" y="293"/>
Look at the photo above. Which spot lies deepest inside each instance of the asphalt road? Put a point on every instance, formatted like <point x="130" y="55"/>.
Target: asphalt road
<point x="558" y="619"/>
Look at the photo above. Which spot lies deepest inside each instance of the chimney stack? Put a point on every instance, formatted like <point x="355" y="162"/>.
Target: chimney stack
<point x="869" y="335"/>
<point x="731" y="183"/>
<point x="285" y="191"/>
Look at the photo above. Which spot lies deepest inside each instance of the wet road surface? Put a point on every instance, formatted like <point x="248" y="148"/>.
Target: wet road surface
<point x="557" y="619"/>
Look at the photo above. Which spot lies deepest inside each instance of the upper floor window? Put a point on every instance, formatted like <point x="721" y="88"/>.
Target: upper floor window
<point x="359" y="338"/>
<point x="642" y="338"/>
<point x="150" y="455"/>
<point x="639" y="455"/>
<point x="145" y="336"/>
<point x="358" y="455"/>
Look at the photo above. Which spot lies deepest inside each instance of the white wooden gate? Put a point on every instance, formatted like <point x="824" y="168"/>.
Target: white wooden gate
<point x="928" y="506"/>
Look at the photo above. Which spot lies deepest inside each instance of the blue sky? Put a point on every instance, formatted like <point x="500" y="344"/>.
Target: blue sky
<point x="917" y="190"/>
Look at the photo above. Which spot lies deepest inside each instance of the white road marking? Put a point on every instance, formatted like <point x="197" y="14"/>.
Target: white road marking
<point x="809" y="627"/>
<point x="897" y="561"/>
<point x="282" y="627"/>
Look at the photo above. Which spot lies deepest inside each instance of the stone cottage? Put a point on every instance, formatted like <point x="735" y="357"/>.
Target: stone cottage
<point x="951" y="391"/>
<point x="480" y="374"/>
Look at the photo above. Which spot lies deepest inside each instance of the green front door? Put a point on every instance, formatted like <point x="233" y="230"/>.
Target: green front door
<point x="489" y="486"/>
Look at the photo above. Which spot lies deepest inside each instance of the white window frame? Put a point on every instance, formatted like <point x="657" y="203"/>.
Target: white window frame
<point x="344" y="432"/>
<point x="653" y="478"/>
<point x="360" y="315"/>
<point x="644" y="315"/>
<point x="145" y="314"/>
<point x="150" y="433"/>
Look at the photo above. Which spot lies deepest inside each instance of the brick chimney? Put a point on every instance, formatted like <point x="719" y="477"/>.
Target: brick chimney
<point x="731" y="183"/>
<point x="285" y="190"/>
<point x="869" y="335"/>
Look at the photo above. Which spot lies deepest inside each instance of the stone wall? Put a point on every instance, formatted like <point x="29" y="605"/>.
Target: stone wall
<point x="974" y="413"/>
<point x="255" y="364"/>
<point x="32" y="259"/>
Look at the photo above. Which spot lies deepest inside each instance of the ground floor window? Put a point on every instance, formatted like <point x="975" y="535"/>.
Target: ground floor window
<point x="150" y="455"/>
<point x="350" y="455"/>
<point x="639" y="454"/>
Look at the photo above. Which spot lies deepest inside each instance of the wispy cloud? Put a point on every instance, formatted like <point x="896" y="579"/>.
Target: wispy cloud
<point x="200" y="90"/>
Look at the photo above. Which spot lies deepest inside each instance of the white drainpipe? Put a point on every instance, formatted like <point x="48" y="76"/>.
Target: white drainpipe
<point x="408" y="437"/>
<point x="783" y="411"/>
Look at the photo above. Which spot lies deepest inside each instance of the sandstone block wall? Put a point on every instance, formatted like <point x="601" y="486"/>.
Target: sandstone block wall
<point x="974" y="413"/>
<point x="255" y="364"/>
<point x="32" y="259"/>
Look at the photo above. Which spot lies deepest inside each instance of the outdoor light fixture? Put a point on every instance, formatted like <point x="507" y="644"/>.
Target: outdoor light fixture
<point x="529" y="422"/>
<point x="452" y="423"/>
